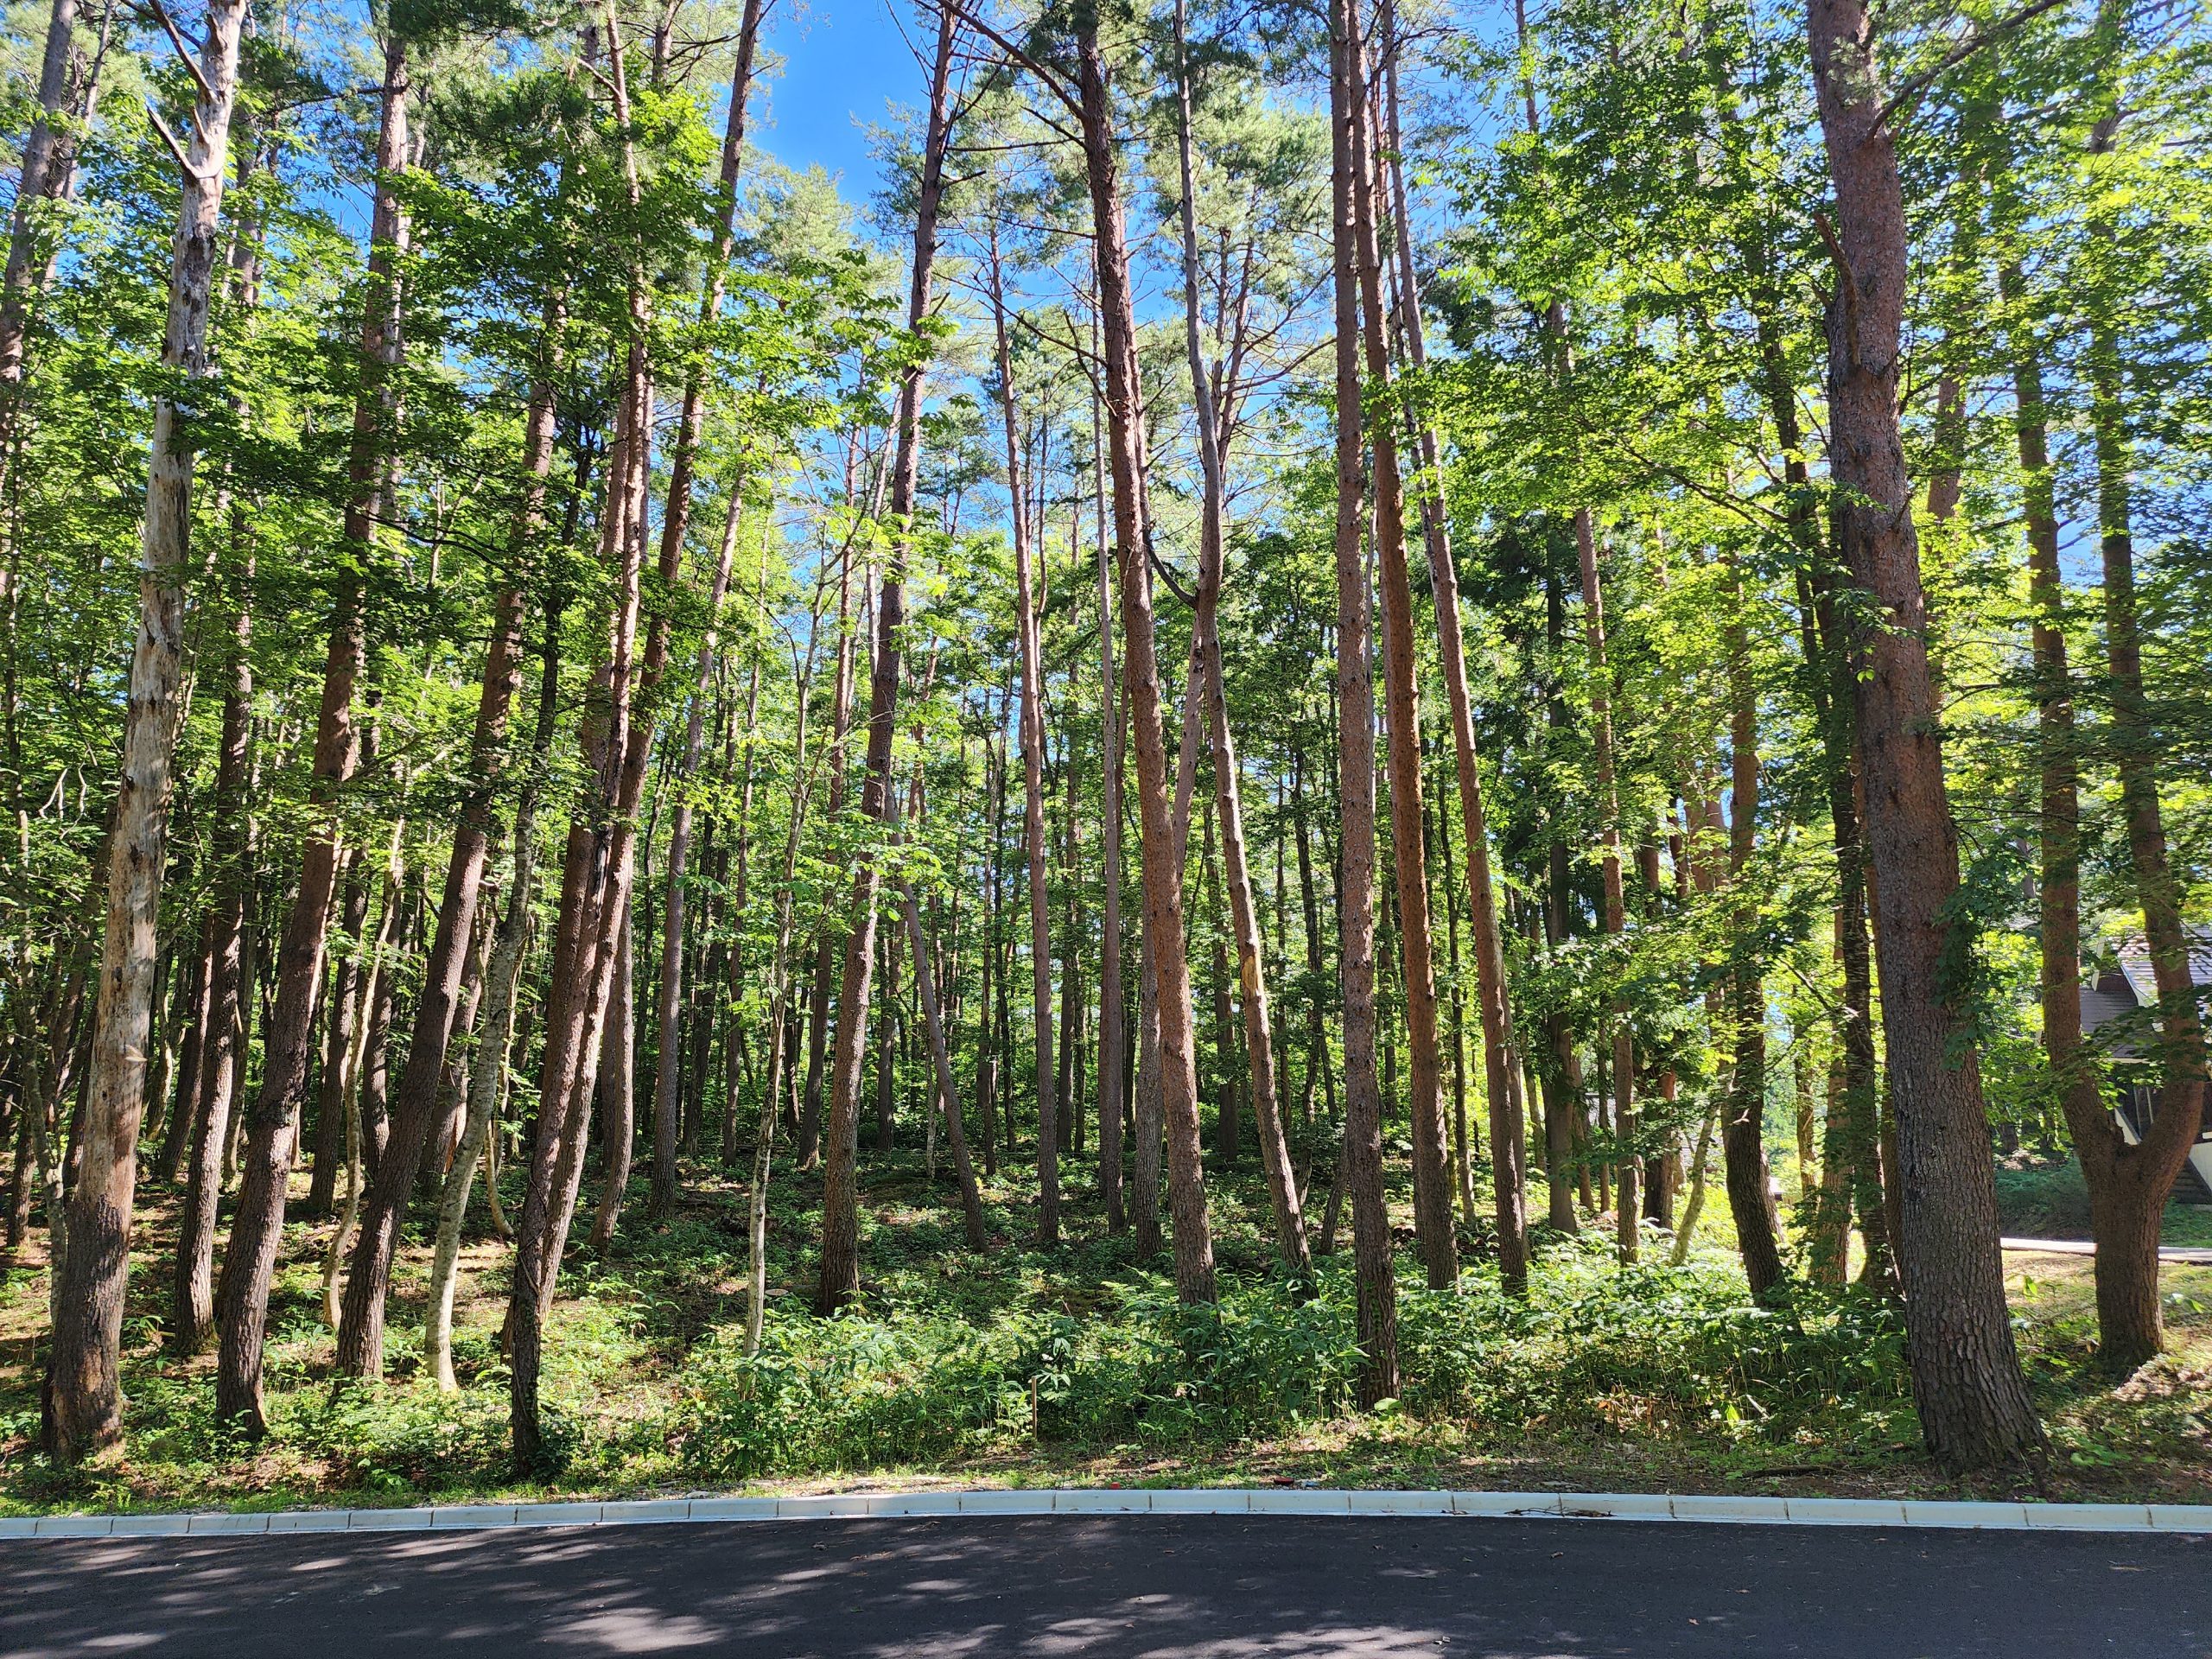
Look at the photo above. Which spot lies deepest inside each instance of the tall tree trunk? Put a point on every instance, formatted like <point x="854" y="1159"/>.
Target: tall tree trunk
<point x="1627" y="1208"/>
<point x="347" y="996"/>
<point x="676" y="518"/>
<point x="83" y="1401"/>
<point x="817" y="1013"/>
<point x="47" y="159"/>
<point x="1400" y="672"/>
<point x="2129" y="1186"/>
<point x="1973" y="1401"/>
<point x="1214" y="396"/>
<point x="1028" y="628"/>
<point x="1830" y="677"/>
<point x="840" y="1274"/>
<point x="601" y="841"/>
<point x="360" y="1328"/>
<point x="257" y="1228"/>
<point x="1160" y="850"/>
<point x="1112" y="1011"/>
<point x="618" y="1091"/>
<point x="1374" y="1272"/>
<point x="1507" y="1110"/>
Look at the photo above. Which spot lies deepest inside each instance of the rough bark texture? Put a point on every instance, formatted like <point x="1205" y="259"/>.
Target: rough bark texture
<point x="83" y="1395"/>
<point x="1973" y="1401"/>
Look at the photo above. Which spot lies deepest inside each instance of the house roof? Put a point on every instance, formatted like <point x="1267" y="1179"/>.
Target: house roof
<point x="2135" y="962"/>
<point x="2120" y="991"/>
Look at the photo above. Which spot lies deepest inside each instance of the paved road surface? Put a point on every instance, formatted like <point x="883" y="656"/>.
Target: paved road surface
<point x="2182" y="1254"/>
<point x="1168" y="1587"/>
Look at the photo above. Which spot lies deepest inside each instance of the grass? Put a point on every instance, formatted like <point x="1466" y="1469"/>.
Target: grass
<point x="1076" y="1366"/>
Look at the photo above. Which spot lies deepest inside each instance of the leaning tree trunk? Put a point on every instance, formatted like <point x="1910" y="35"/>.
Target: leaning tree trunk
<point x="502" y="974"/>
<point x="1973" y="1401"/>
<point x="83" y="1400"/>
<point x="2128" y="1192"/>
<point x="840" y="1267"/>
<point x="667" y="1074"/>
<point x="360" y="1328"/>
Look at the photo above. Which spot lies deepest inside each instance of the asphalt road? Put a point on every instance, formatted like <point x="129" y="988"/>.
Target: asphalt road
<point x="1174" y="1587"/>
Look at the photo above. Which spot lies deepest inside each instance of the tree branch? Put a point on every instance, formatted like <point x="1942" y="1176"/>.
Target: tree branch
<point x="1909" y="94"/>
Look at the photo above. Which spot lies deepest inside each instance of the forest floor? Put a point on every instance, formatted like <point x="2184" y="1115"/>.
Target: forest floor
<point x="1076" y="1367"/>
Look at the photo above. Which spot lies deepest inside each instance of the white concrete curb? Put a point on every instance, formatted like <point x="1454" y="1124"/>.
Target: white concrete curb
<point x="1273" y="1500"/>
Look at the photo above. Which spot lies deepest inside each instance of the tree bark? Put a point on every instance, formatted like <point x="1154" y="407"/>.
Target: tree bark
<point x="1161" y="850"/>
<point x="257" y="1228"/>
<point x="1973" y="1401"/>
<point x="1742" y="1145"/>
<point x="83" y="1401"/>
<point x="669" y="1006"/>
<point x="1400" y="672"/>
<point x="601" y="841"/>
<point x="361" y="1329"/>
<point x="1374" y="1275"/>
<point x="1215" y="396"/>
<point x="487" y="1078"/>
<point x="1507" y="1107"/>
<point x="1032" y="730"/>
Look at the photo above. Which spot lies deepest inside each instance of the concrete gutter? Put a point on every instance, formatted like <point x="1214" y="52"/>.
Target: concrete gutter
<point x="1299" y="1501"/>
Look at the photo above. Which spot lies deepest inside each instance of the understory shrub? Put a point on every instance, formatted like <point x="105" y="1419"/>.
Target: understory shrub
<point x="1591" y="1345"/>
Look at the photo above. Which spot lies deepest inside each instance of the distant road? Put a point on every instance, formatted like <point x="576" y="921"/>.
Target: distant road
<point x="2188" y="1256"/>
<point x="1171" y="1587"/>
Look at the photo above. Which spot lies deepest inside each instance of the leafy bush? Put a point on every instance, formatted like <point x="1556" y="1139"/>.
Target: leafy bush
<point x="2044" y="1200"/>
<point x="1594" y="1345"/>
<point x="1591" y="1345"/>
<point x="868" y="1389"/>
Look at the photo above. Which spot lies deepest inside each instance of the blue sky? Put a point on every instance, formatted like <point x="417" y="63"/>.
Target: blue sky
<point x="845" y="63"/>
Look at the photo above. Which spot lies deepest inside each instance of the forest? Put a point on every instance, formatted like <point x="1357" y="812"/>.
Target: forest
<point x="1351" y="740"/>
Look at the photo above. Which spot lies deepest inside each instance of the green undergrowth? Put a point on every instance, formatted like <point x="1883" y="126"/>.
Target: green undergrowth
<point x="2044" y="1198"/>
<point x="1078" y="1364"/>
